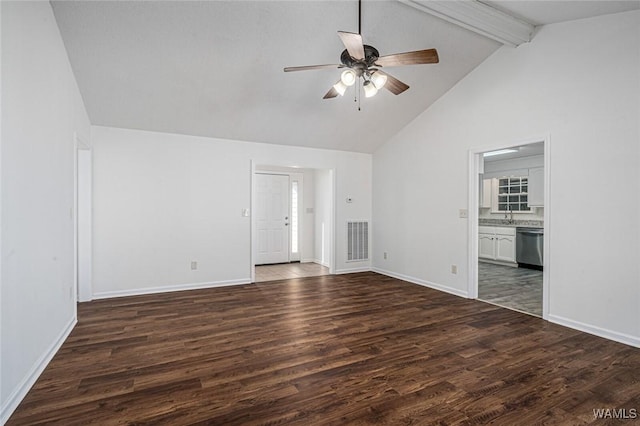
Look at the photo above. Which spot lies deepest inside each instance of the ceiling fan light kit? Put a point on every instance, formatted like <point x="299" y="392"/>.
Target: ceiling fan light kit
<point x="364" y="61"/>
<point x="340" y="87"/>
<point x="378" y="79"/>
<point x="369" y="89"/>
<point x="348" y="77"/>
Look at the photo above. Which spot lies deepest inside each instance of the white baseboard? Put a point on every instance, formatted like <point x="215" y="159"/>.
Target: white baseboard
<point x="353" y="270"/>
<point x="319" y="262"/>
<point x="421" y="282"/>
<point x="595" y="330"/>
<point x="169" y="288"/>
<point x="307" y="261"/>
<point x="29" y="380"/>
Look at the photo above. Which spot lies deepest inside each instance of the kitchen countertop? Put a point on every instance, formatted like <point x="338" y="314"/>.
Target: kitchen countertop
<point x="516" y="223"/>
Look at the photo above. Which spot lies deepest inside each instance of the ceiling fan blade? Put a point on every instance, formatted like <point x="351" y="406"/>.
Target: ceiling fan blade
<point x="428" y="56"/>
<point x="353" y="43"/>
<point x="393" y="85"/>
<point x="313" y="67"/>
<point x="332" y="93"/>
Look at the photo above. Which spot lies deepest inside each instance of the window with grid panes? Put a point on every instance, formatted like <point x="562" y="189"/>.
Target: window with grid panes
<point x="513" y="194"/>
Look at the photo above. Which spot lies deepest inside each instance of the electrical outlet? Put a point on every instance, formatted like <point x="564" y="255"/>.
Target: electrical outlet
<point x="194" y="265"/>
<point x="454" y="269"/>
<point x="385" y="255"/>
<point x="463" y="213"/>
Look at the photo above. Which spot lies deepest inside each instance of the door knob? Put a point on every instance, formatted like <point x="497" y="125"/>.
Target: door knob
<point x="286" y="224"/>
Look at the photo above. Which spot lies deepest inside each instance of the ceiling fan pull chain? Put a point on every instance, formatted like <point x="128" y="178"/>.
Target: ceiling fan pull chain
<point x="355" y="92"/>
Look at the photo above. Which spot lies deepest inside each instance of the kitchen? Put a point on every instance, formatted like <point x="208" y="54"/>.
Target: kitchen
<point x="511" y="228"/>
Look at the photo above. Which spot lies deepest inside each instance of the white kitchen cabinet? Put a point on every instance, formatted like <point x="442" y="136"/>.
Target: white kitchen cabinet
<point x="497" y="243"/>
<point x="486" y="246"/>
<point x="486" y="193"/>
<point x="506" y="248"/>
<point x="536" y="187"/>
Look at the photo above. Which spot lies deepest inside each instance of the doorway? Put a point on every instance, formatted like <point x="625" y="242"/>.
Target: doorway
<point x="510" y="205"/>
<point x="292" y="222"/>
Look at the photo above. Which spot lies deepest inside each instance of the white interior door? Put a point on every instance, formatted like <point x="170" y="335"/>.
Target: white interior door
<point x="272" y="218"/>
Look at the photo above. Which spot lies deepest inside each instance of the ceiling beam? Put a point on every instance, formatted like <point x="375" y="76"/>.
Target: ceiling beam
<point x="479" y="18"/>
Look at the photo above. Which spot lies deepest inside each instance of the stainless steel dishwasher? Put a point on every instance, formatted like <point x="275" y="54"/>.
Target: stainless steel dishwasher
<point x="529" y="246"/>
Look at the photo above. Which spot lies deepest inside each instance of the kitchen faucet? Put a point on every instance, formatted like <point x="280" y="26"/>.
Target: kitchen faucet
<point x="506" y="216"/>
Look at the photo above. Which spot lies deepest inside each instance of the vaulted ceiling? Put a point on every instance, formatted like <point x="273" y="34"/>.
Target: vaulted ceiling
<point x="215" y="68"/>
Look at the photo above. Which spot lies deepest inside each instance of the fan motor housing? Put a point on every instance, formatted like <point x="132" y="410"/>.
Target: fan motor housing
<point x="371" y="55"/>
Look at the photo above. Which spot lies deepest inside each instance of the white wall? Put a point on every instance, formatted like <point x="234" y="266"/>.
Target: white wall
<point x="323" y="222"/>
<point x="162" y="200"/>
<point x="590" y="107"/>
<point x="41" y="110"/>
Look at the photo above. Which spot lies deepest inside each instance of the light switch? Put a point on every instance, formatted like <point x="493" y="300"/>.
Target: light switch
<point x="245" y="212"/>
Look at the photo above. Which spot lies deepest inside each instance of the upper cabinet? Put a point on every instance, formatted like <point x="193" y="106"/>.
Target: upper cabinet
<point x="536" y="187"/>
<point x="486" y="193"/>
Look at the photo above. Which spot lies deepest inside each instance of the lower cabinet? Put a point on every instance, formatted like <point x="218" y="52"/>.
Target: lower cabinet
<point x="506" y="247"/>
<point x="497" y="243"/>
<point x="486" y="245"/>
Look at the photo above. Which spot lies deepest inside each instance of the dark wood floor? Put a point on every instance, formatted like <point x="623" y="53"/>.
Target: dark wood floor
<point x="331" y="350"/>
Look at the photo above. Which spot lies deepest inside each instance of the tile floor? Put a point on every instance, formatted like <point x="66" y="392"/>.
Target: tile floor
<point x="285" y="271"/>
<point x="515" y="288"/>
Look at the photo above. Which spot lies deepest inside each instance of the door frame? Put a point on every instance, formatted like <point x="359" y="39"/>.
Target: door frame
<point x="252" y="224"/>
<point x="475" y="168"/>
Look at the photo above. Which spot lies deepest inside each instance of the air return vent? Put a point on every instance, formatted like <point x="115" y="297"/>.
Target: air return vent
<point x="357" y="241"/>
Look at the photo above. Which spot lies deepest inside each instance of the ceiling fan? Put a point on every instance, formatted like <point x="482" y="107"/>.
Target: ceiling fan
<point x="364" y="61"/>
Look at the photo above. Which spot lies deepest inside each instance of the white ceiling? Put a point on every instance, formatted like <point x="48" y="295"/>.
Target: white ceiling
<point x="215" y="68"/>
<point x="543" y="12"/>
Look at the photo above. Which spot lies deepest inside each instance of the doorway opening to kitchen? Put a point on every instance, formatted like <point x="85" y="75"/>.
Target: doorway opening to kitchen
<point x="510" y="214"/>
